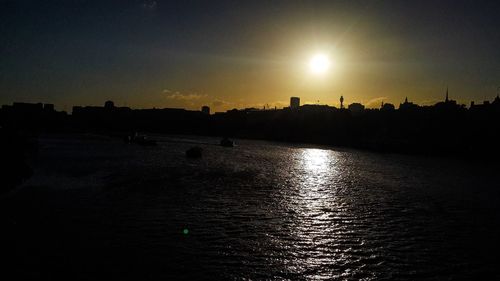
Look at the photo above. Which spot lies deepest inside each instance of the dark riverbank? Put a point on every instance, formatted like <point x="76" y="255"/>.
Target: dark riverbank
<point x="446" y="128"/>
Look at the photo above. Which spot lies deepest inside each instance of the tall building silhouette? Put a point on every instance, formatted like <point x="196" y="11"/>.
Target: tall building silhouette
<point x="205" y="109"/>
<point x="294" y="102"/>
<point x="447" y="101"/>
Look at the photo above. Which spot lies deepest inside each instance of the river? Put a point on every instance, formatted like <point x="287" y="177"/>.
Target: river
<point x="97" y="208"/>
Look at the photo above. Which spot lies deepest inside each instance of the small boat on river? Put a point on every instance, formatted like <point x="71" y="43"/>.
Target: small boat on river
<point x="226" y="142"/>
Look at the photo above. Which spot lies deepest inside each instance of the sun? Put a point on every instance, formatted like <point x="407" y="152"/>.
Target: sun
<point x="319" y="64"/>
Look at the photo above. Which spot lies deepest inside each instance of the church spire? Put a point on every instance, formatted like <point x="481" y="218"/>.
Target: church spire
<point x="406" y="99"/>
<point x="446" y="100"/>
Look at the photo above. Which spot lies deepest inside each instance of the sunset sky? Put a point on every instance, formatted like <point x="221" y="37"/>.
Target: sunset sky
<point x="236" y="54"/>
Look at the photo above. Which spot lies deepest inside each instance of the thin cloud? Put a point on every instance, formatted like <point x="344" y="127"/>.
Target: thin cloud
<point x="430" y="102"/>
<point x="375" y="102"/>
<point x="176" y="95"/>
<point x="219" y="102"/>
<point x="149" y="4"/>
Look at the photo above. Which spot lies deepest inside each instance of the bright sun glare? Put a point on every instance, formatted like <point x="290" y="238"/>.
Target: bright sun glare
<point x="319" y="64"/>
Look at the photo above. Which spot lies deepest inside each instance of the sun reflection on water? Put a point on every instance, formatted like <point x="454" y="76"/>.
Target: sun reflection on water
<point x="316" y="166"/>
<point x="315" y="171"/>
<point x="314" y="159"/>
<point x="314" y="202"/>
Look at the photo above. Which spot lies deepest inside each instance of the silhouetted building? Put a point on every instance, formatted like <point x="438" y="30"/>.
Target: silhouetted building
<point x="496" y="101"/>
<point x="27" y="107"/>
<point x="407" y="105"/>
<point x="109" y="104"/>
<point x="356" y="108"/>
<point x="387" y="107"/>
<point x="447" y="104"/>
<point x="481" y="106"/>
<point x="48" y="107"/>
<point x="341" y="102"/>
<point x="31" y="116"/>
<point x="316" y="108"/>
<point x="294" y="102"/>
<point x="205" y="110"/>
<point x="447" y="100"/>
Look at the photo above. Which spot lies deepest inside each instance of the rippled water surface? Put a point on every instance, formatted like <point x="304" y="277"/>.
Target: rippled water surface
<point x="99" y="207"/>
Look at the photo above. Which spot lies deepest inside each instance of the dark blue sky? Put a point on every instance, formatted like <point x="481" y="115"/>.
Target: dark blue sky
<point x="234" y="53"/>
